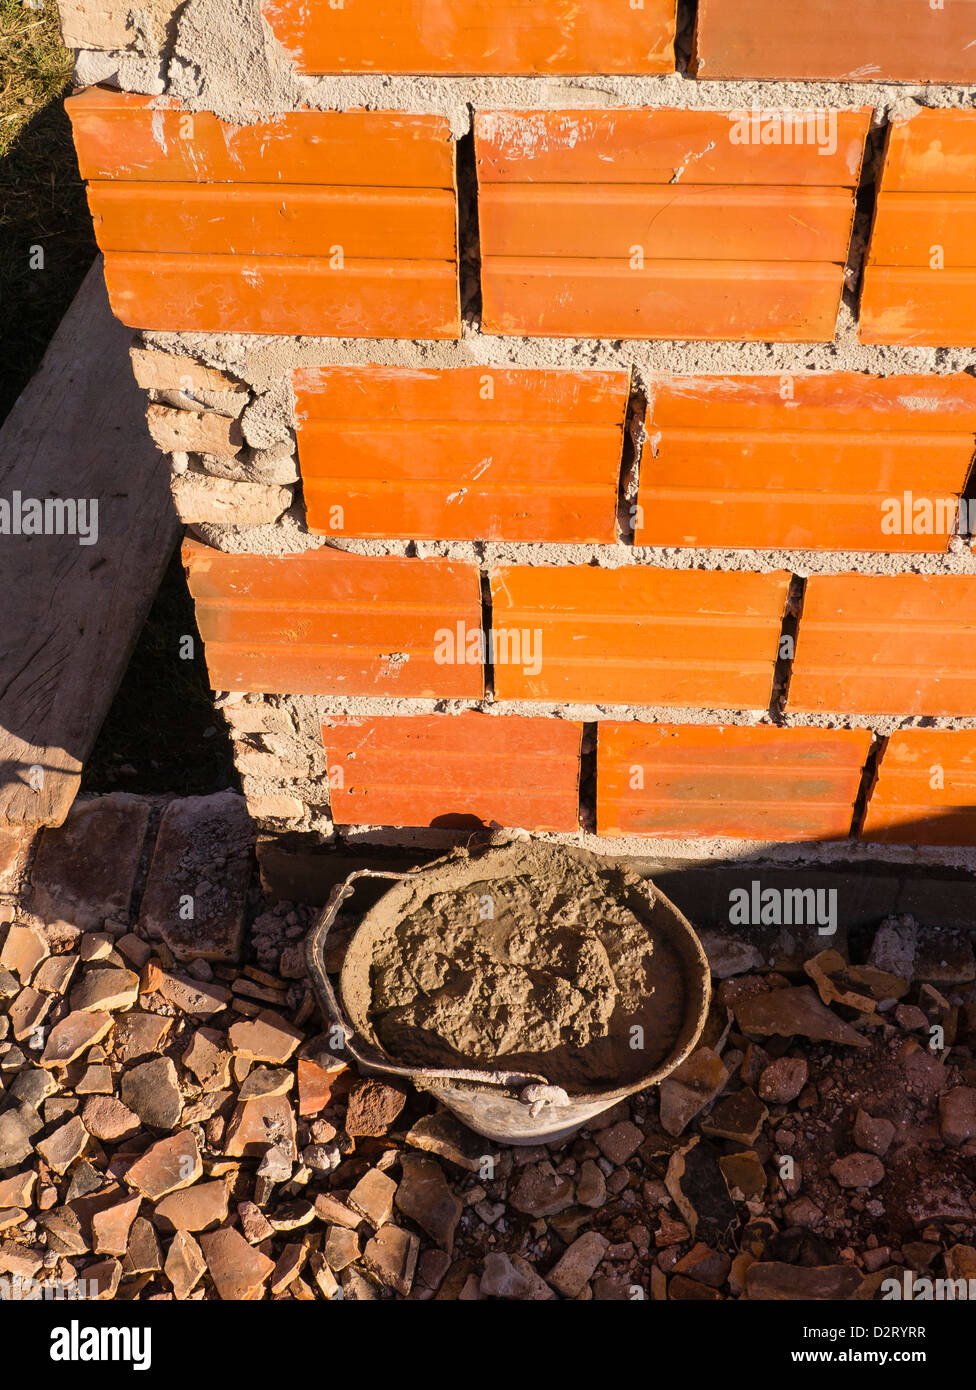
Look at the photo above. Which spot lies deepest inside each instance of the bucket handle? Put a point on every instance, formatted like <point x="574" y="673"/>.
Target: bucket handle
<point x="329" y="1004"/>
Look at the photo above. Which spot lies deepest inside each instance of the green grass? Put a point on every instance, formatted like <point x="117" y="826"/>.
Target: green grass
<point x="42" y="199"/>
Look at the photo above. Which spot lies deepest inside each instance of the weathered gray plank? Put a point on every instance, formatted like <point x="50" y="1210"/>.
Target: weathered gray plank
<point x="70" y="613"/>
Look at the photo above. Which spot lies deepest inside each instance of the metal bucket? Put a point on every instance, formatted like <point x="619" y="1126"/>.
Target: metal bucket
<point x="510" y="1107"/>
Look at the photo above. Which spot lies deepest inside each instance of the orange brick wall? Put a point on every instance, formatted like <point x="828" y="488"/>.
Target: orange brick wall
<point x="552" y="548"/>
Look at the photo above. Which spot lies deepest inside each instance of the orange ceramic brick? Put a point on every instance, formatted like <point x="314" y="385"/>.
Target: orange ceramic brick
<point x="920" y="279"/>
<point x="459" y="37"/>
<point x="464" y="770"/>
<point x="761" y="783"/>
<point x="664" y="224"/>
<point x="636" y="635"/>
<point x="925" y="793"/>
<point x="831" y="461"/>
<point x="325" y="622"/>
<point x="886" y="644"/>
<point x="870" y="41"/>
<point x="470" y="454"/>
<point x="317" y="222"/>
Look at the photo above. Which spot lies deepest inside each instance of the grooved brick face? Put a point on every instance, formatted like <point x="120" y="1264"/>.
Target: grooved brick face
<point x="760" y="783"/>
<point x="469" y="454"/>
<point x="925" y="793"/>
<point x="330" y="223"/>
<point x="664" y="224"/>
<point x="476" y="36"/>
<point x="920" y="279"/>
<point x="834" y="461"/>
<point x="886" y="644"/>
<point x="636" y="635"/>
<point x="460" y="770"/>
<point x="328" y="623"/>
<point x="870" y="41"/>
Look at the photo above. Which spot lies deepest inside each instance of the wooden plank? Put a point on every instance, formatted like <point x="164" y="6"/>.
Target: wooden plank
<point x="73" y="612"/>
<point x="477" y="37"/>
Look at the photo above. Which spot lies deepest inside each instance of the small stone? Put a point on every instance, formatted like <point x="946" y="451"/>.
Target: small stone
<point x="794" y="1011"/>
<point x="239" y="1270"/>
<point x="729" y="955"/>
<point x="341" y="1248"/>
<point x="95" y="945"/>
<point x="783" y="1080"/>
<point x="107" y="1118"/>
<point x="71" y="1037"/>
<point x="96" y="1080"/>
<point x="743" y="1173"/>
<point x="267" y="1038"/>
<point x="858" y="1170"/>
<point x="55" y="974"/>
<point x="620" y="1142"/>
<point x="739" y="1117"/>
<point x="373" y="1108"/>
<point x="139" y="1035"/>
<point x="577" y="1266"/>
<point x="143" y="1255"/>
<point x="774" y="1280"/>
<point x="332" y="1211"/>
<point x="276" y="1165"/>
<point x="23" y="951"/>
<point x="18" y="1190"/>
<point x="65" y="1145"/>
<point x="443" y="1135"/>
<point x="689" y="1088"/>
<point x="289" y="1266"/>
<point x="373" y="1197"/>
<point x="315" y="1084"/>
<point x="957" y="1115"/>
<point x="166" y="1166"/>
<point x="112" y="1225"/>
<point x="185" y="1265"/>
<point x="510" y="1276"/>
<point x="208" y="1060"/>
<point x="424" y="1196"/>
<point x="265" y="1081"/>
<point x="391" y="1255"/>
<point x="152" y="1090"/>
<point x="134" y="949"/>
<point x="705" y="1265"/>
<point x="804" y="1213"/>
<point x="894" y="947"/>
<point x="541" y="1191"/>
<point x="194" y="1208"/>
<point x="256" y="1125"/>
<point x="873" y="1135"/>
<point x="254" y="1223"/>
<point x="17" y="1259"/>
<point x="15" y="1140"/>
<point x="195" y="997"/>
<point x="591" y="1186"/>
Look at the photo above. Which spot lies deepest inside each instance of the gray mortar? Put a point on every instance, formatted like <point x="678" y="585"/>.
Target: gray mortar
<point x="225" y="59"/>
